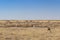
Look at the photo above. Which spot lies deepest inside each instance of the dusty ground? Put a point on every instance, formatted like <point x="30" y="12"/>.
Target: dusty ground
<point x="29" y="34"/>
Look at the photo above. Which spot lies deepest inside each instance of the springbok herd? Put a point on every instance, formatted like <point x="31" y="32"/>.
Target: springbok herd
<point x="29" y="29"/>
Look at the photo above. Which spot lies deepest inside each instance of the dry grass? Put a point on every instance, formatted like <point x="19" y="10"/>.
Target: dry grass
<point x="30" y="33"/>
<point x="23" y="33"/>
<point x="29" y="23"/>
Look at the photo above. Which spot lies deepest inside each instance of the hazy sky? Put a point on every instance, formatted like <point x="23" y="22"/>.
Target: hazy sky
<point x="29" y="9"/>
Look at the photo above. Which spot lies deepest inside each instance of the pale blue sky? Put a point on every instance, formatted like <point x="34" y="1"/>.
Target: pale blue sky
<point x="30" y="9"/>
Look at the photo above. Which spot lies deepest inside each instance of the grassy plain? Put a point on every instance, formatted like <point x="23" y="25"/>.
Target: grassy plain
<point x="30" y="33"/>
